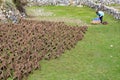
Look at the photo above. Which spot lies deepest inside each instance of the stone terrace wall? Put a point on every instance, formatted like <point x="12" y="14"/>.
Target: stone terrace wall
<point x="107" y="2"/>
<point x="109" y="10"/>
<point x="9" y="12"/>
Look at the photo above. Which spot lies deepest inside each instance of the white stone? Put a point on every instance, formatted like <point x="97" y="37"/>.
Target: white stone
<point x="111" y="45"/>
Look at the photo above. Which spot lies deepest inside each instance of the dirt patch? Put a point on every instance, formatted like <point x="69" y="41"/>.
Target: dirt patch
<point x="69" y="21"/>
<point x="39" y="12"/>
<point x="42" y="15"/>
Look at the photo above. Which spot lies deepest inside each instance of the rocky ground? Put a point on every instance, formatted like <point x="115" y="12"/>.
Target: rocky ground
<point x="10" y="12"/>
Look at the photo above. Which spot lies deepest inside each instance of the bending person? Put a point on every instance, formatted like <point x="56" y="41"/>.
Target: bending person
<point x="100" y="14"/>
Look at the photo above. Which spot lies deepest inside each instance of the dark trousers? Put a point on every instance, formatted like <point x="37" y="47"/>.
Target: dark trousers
<point x="101" y="19"/>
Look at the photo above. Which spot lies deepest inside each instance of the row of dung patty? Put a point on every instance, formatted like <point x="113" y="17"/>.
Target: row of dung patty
<point x="23" y="45"/>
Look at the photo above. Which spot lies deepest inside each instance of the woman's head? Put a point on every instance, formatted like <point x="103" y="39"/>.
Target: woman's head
<point x="97" y="12"/>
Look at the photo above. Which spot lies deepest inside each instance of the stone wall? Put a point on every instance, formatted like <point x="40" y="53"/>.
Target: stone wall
<point x="76" y="2"/>
<point x="9" y="12"/>
<point x="110" y="10"/>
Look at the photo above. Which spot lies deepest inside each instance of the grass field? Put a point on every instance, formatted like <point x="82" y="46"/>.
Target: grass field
<point x="96" y="57"/>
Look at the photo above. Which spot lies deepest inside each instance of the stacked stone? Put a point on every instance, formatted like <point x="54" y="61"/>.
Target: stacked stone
<point x="8" y="13"/>
<point x="110" y="10"/>
<point x="2" y="17"/>
<point x="75" y="2"/>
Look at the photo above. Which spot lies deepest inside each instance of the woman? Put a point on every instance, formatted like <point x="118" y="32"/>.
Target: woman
<point x="100" y="14"/>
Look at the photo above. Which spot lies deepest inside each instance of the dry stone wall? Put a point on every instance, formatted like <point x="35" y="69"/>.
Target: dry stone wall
<point x="9" y="12"/>
<point x="54" y="2"/>
<point x="110" y="10"/>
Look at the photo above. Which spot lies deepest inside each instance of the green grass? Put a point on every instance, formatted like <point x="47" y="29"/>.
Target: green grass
<point x="93" y="58"/>
<point x="68" y="11"/>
